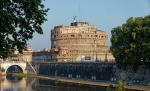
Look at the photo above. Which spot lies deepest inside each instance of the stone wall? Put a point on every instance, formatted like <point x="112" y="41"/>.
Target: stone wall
<point x="95" y="71"/>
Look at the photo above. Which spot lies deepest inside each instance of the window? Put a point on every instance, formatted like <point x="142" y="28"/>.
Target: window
<point x="72" y="35"/>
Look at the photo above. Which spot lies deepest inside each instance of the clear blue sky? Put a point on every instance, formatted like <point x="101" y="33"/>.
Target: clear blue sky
<point x="105" y="14"/>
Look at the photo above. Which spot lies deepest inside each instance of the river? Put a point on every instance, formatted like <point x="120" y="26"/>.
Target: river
<point x="11" y="83"/>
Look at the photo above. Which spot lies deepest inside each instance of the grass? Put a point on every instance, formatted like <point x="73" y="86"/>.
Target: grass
<point x="121" y="86"/>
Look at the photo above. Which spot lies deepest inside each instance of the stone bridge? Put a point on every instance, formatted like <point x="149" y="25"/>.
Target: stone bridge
<point x="13" y="66"/>
<point x="16" y="62"/>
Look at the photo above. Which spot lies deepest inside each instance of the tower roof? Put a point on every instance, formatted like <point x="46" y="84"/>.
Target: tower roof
<point x="79" y="23"/>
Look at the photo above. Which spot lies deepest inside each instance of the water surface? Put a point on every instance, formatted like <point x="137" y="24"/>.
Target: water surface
<point x="10" y="83"/>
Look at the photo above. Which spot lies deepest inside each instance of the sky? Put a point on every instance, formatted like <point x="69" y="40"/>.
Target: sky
<point x="104" y="14"/>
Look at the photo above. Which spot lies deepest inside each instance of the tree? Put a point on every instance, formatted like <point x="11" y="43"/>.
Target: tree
<point x="19" y="19"/>
<point x="131" y="43"/>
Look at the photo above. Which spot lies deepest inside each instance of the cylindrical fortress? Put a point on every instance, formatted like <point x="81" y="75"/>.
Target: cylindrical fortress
<point x="79" y="42"/>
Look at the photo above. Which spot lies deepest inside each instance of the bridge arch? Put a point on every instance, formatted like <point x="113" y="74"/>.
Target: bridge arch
<point x="14" y="69"/>
<point x="10" y="65"/>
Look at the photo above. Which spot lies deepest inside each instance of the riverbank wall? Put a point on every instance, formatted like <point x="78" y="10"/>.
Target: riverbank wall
<point x="99" y="71"/>
<point x="80" y="82"/>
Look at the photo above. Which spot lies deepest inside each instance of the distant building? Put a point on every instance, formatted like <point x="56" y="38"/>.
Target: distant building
<point x="79" y="42"/>
<point x="41" y="56"/>
<point x="25" y="56"/>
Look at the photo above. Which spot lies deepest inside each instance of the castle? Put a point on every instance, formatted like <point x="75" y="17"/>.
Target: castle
<point x="79" y="41"/>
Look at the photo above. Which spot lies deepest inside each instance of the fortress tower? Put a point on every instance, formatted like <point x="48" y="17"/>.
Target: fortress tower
<point x="79" y="42"/>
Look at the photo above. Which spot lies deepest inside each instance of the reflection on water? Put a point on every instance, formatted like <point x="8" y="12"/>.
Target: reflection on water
<point x="49" y="85"/>
<point x="13" y="78"/>
<point x="11" y="83"/>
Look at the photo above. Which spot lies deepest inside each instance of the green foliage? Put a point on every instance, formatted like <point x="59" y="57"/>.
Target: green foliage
<point x="2" y="69"/>
<point x="19" y="19"/>
<point x="121" y="86"/>
<point x="131" y="43"/>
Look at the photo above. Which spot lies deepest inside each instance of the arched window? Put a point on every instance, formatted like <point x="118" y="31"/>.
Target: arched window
<point x="72" y="35"/>
<point x="95" y="35"/>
